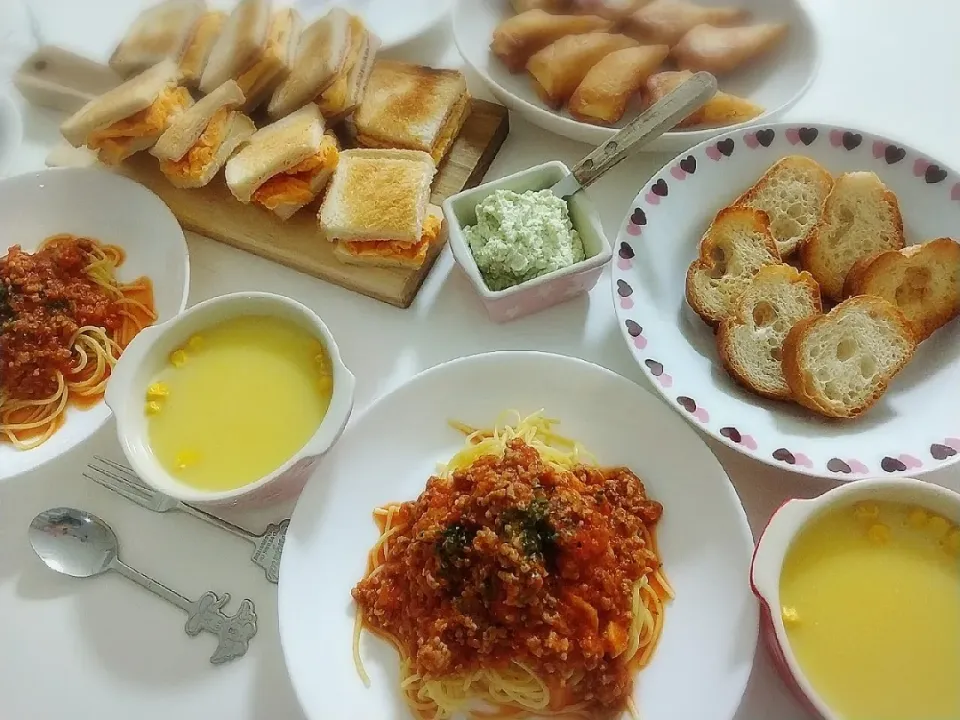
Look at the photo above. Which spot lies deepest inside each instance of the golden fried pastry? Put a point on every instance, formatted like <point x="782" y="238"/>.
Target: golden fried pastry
<point x="519" y="37"/>
<point x="559" y="68"/>
<point x="602" y="96"/>
<point x="722" y="109"/>
<point x="666" y="21"/>
<point x="721" y="50"/>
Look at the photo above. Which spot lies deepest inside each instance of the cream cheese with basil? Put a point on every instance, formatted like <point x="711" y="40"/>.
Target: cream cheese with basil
<point x="520" y="236"/>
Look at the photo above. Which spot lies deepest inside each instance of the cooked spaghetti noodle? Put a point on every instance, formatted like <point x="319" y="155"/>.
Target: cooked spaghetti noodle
<point x="64" y="321"/>
<point x="525" y="580"/>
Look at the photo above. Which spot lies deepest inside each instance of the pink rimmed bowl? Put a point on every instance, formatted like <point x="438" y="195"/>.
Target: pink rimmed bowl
<point x="777" y="538"/>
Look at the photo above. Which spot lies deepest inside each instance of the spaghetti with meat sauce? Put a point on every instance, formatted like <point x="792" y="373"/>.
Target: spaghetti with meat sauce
<point x="522" y="577"/>
<point x="64" y="320"/>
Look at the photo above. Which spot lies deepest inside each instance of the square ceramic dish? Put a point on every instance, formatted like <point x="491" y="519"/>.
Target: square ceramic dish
<point x="460" y="210"/>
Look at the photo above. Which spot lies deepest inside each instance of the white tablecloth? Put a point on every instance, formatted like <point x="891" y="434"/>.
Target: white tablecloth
<point x="102" y="648"/>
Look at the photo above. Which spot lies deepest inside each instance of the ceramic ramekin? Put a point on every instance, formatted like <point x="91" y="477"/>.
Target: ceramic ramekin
<point x="149" y="353"/>
<point x="779" y="535"/>
<point x="534" y="295"/>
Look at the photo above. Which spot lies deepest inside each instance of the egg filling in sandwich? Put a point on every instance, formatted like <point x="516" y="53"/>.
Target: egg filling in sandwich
<point x="284" y="166"/>
<point x="132" y="116"/>
<point x="377" y="208"/>
<point x="332" y="68"/>
<point x="159" y="32"/>
<point x="412" y="107"/>
<point x="205" y="33"/>
<point x="198" y="142"/>
<point x="255" y="48"/>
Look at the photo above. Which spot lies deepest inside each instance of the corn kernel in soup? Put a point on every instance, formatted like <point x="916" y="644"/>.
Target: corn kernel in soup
<point x="238" y="401"/>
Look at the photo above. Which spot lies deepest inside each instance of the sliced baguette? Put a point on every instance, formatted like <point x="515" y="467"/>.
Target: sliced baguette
<point x="750" y="342"/>
<point x="861" y="217"/>
<point x="841" y="363"/>
<point x="735" y="246"/>
<point x="791" y="193"/>
<point x="922" y="280"/>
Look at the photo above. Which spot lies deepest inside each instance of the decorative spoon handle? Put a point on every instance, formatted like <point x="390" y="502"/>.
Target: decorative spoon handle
<point x="234" y="632"/>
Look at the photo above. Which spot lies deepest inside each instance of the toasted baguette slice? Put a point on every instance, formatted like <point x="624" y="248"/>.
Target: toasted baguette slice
<point x="922" y="280"/>
<point x="839" y="364"/>
<point x="735" y="246"/>
<point x="791" y="193"/>
<point x="750" y="342"/>
<point x="860" y="217"/>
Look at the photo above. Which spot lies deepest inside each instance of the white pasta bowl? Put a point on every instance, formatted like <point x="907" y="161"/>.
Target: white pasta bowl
<point x="149" y="353"/>
<point x="776" y="81"/>
<point x="113" y="210"/>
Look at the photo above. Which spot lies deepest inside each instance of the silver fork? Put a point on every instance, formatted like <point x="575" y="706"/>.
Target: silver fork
<point x="268" y="546"/>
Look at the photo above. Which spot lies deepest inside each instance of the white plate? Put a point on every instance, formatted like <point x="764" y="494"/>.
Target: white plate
<point x="395" y="22"/>
<point x="914" y="428"/>
<point x="387" y="454"/>
<point x="776" y="82"/>
<point x="111" y="209"/>
<point x="11" y="130"/>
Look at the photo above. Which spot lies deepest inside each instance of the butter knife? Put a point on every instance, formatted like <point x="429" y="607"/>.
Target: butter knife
<point x="649" y="125"/>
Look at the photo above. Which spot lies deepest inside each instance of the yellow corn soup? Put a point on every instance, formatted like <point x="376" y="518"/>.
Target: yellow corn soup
<point x="237" y="401"/>
<point x="870" y="600"/>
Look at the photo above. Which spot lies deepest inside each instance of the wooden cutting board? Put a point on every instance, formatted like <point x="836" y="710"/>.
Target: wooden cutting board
<point x="56" y="78"/>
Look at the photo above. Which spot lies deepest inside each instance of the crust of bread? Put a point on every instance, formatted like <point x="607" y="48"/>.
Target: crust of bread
<point x="159" y="32"/>
<point x="203" y="36"/>
<point x="800" y="378"/>
<point x="378" y="194"/>
<point x="757" y="223"/>
<point x="357" y="80"/>
<point x="765" y="195"/>
<point x="274" y="65"/>
<point x="373" y="260"/>
<point x="184" y="132"/>
<point x="241" y="42"/>
<point x="128" y="98"/>
<point x="408" y="106"/>
<point x="744" y="318"/>
<point x="239" y="129"/>
<point x="821" y="253"/>
<point x="322" y="51"/>
<point x="274" y="149"/>
<point x="922" y="280"/>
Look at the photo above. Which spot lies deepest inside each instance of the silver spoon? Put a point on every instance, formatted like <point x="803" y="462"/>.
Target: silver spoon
<point x="646" y="127"/>
<point x="77" y="543"/>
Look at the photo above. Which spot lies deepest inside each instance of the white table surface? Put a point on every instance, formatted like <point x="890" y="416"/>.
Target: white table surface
<point x="102" y="648"/>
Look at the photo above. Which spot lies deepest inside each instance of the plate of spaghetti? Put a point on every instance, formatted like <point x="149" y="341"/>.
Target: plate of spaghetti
<point x="88" y="260"/>
<point x="521" y="535"/>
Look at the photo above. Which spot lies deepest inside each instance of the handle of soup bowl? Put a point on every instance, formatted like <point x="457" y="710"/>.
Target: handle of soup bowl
<point x="338" y="414"/>
<point x="772" y="546"/>
<point x="120" y="383"/>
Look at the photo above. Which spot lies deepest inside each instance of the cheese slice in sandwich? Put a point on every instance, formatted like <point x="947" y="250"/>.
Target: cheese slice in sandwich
<point x="259" y="81"/>
<point x="159" y="32"/>
<point x="321" y="57"/>
<point x="205" y="33"/>
<point x="199" y="141"/>
<point x="286" y="165"/>
<point x="132" y="116"/>
<point x="412" y="107"/>
<point x="377" y="208"/>
<point x="240" y="45"/>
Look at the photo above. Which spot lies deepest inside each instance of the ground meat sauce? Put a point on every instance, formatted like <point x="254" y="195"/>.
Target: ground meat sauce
<point x="44" y="298"/>
<point x="512" y="559"/>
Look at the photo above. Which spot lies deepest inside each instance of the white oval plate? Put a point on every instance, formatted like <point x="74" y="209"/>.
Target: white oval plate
<point x="914" y="428"/>
<point x="775" y="82"/>
<point x="395" y="22"/>
<point x="111" y="209"/>
<point x="387" y="454"/>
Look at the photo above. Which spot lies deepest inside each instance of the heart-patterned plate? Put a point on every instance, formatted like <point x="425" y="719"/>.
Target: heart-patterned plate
<point x="914" y="428"/>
